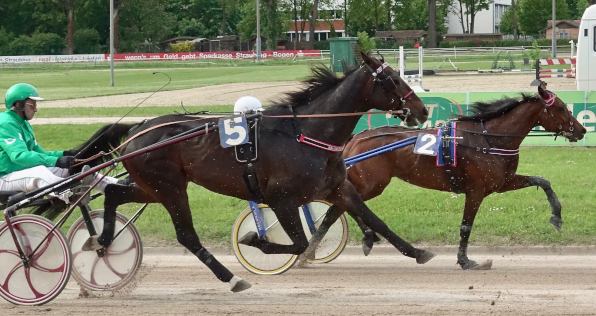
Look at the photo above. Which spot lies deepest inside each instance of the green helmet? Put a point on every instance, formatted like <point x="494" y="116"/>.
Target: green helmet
<point x="20" y="92"/>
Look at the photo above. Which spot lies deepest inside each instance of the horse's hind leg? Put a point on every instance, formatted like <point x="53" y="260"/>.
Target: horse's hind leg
<point x="290" y="221"/>
<point x="347" y="199"/>
<point x="115" y="195"/>
<point x="520" y="182"/>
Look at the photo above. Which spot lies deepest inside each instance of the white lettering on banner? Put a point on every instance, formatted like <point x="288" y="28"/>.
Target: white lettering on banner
<point x="431" y="108"/>
<point x="280" y="54"/>
<point x="591" y="118"/>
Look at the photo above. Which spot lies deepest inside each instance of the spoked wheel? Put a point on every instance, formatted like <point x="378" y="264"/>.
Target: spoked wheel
<point x="335" y="239"/>
<point x="120" y="261"/>
<point x="255" y="261"/>
<point x="46" y="274"/>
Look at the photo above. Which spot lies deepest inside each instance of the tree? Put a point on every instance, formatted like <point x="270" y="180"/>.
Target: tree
<point x="534" y="14"/>
<point x="466" y="11"/>
<point x="432" y="24"/>
<point x="145" y="22"/>
<point x="69" y="6"/>
<point x="313" y="24"/>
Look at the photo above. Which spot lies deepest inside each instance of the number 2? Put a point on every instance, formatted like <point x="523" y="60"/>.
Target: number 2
<point x="424" y="148"/>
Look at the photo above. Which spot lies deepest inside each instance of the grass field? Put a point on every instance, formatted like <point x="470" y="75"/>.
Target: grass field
<point x="418" y="215"/>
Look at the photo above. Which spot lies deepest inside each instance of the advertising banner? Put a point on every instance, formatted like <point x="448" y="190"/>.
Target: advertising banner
<point x="52" y="58"/>
<point x="214" y="55"/>
<point x="444" y="106"/>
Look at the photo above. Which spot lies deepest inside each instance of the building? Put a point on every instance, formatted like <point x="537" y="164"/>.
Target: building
<point x="485" y="21"/>
<point x="323" y="30"/>
<point x="565" y="29"/>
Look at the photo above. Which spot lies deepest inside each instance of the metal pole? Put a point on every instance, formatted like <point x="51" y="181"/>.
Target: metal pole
<point x="112" y="40"/>
<point x="259" y="32"/>
<point x="554" y="37"/>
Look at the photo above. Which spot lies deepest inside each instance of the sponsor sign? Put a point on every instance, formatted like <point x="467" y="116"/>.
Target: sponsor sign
<point x="443" y="106"/>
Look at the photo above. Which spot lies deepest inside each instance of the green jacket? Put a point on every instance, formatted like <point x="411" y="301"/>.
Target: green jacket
<point x="18" y="148"/>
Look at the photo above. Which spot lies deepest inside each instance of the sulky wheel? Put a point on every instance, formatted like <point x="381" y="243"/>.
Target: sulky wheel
<point x="46" y="273"/>
<point x="253" y="259"/>
<point x="106" y="269"/>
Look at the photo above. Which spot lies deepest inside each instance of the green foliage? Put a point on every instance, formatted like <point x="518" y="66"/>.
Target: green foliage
<point x="5" y="39"/>
<point x="143" y="25"/>
<point x="87" y="41"/>
<point x="506" y="26"/>
<point x="191" y="27"/>
<point x="365" y="42"/>
<point x="183" y="47"/>
<point x="46" y="43"/>
<point x="534" y="14"/>
<point x="535" y="52"/>
<point x="364" y="15"/>
<point x="273" y="22"/>
<point x="324" y="45"/>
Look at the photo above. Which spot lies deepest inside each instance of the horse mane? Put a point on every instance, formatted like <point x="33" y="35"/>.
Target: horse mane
<point x="484" y="111"/>
<point x="321" y="81"/>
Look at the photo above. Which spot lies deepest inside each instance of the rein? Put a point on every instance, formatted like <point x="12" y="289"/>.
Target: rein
<point x="337" y="114"/>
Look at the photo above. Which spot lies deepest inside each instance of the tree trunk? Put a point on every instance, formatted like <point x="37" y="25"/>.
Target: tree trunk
<point x="461" y="16"/>
<point x="432" y="24"/>
<point x="388" y="5"/>
<point x="116" y="27"/>
<point x="472" y="16"/>
<point x="376" y="16"/>
<point x="222" y="30"/>
<point x="70" y="32"/>
<point x="295" y="25"/>
<point x="346" y="17"/>
<point x="313" y="24"/>
<point x="514" y="20"/>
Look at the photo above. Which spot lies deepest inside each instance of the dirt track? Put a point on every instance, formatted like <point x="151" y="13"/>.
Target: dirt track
<point x="384" y="283"/>
<point x="267" y="91"/>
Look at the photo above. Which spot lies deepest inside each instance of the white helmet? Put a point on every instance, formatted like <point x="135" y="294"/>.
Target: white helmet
<point x="246" y="104"/>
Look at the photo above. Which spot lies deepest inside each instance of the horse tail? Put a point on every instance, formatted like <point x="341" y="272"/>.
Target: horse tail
<point x="104" y="140"/>
<point x="49" y="208"/>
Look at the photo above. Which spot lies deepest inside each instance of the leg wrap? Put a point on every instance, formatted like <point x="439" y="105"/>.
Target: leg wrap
<point x="221" y="272"/>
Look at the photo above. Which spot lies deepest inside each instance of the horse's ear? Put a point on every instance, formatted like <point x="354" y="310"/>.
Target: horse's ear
<point x="542" y="90"/>
<point x="365" y="57"/>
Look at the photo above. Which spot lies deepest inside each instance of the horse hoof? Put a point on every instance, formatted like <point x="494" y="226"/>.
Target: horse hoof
<point x="366" y="247"/>
<point x="367" y="244"/>
<point x="486" y="265"/>
<point x="557" y="222"/>
<point x="91" y="244"/>
<point x="425" y="257"/>
<point x="238" y="285"/>
<point x="473" y="265"/>
<point x="248" y="239"/>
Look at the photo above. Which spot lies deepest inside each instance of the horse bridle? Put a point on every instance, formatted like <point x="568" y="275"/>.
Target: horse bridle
<point x="389" y="85"/>
<point x="549" y="102"/>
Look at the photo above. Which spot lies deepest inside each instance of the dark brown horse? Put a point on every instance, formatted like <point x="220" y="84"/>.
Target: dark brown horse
<point x="487" y="160"/>
<point x="288" y="173"/>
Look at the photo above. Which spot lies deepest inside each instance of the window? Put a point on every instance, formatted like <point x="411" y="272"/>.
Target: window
<point x="594" y="38"/>
<point x="563" y="34"/>
<point x="322" y="36"/>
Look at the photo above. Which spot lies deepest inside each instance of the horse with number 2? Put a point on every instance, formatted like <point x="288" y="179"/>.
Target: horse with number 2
<point x="476" y="155"/>
<point x="289" y="168"/>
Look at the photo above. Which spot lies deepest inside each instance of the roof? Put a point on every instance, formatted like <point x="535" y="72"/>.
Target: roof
<point x="400" y="34"/>
<point x="338" y="25"/>
<point x="559" y="23"/>
<point x="179" y="39"/>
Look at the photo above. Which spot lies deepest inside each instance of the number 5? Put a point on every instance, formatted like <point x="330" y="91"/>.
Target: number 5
<point x="231" y="129"/>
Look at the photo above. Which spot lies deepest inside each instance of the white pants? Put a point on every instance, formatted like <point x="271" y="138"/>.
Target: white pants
<point x="31" y="179"/>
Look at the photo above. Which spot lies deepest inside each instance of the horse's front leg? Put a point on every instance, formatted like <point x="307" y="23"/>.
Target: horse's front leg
<point x="473" y="201"/>
<point x="520" y="182"/>
<point x="289" y="218"/>
<point x="347" y="199"/>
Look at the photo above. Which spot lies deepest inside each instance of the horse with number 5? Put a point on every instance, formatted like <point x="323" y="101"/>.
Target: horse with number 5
<point x="293" y="168"/>
<point x="482" y="162"/>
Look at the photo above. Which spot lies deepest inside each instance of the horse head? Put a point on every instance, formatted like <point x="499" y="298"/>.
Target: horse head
<point x="556" y="118"/>
<point x="390" y="92"/>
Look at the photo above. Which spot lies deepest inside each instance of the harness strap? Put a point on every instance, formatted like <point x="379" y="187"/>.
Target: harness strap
<point x="494" y="151"/>
<point x="319" y="144"/>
